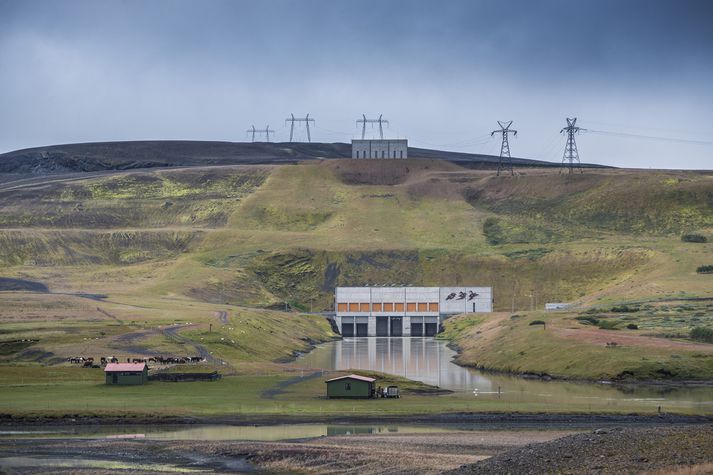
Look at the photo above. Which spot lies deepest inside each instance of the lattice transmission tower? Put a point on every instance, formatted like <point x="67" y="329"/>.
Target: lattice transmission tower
<point x="570" y="159"/>
<point x="363" y="121"/>
<point x="505" y="161"/>
<point x="267" y="131"/>
<point x="292" y="121"/>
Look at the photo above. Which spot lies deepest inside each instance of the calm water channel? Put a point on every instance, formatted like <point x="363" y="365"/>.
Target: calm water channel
<point x="430" y="361"/>
<point x="216" y="432"/>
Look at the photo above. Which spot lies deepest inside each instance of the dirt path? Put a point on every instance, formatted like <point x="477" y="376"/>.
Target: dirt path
<point x="602" y="337"/>
<point x="130" y="342"/>
<point x="280" y="387"/>
<point x="222" y="316"/>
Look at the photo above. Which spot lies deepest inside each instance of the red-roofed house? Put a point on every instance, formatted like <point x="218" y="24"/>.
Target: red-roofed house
<point x="126" y="373"/>
<point x="351" y="386"/>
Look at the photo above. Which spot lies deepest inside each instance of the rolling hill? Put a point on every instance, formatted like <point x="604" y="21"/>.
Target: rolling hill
<point x="101" y="156"/>
<point x="90" y="257"/>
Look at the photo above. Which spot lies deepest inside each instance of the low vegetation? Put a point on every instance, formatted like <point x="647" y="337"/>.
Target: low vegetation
<point x="707" y="269"/>
<point x="702" y="334"/>
<point x="699" y="238"/>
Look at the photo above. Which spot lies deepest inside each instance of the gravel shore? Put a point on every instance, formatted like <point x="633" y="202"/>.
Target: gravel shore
<point x="606" y="451"/>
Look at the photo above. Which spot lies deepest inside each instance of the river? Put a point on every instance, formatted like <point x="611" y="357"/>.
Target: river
<point x="431" y="361"/>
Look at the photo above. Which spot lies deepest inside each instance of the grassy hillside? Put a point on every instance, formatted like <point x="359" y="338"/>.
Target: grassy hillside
<point x="178" y="247"/>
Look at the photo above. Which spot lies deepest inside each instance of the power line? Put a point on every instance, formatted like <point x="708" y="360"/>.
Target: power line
<point x="649" y="137"/>
<point x="292" y="121"/>
<point x="505" y="146"/>
<point x="571" y="154"/>
<point x="363" y="121"/>
<point x="267" y="131"/>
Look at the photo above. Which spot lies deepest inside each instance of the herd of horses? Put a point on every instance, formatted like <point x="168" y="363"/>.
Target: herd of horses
<point x="89" y="362"/>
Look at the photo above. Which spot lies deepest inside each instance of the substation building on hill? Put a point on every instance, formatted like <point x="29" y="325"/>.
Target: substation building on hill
<point x="380" y="148"/>
<point x="404" y="311"/>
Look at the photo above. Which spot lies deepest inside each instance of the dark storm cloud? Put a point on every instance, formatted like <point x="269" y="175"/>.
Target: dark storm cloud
<point x="442" y="72"/>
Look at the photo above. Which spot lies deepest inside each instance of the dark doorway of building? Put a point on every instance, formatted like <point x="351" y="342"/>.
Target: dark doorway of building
<point x="348" y="329"/>
<point x="396" y="326"/>
<point x="431" y="329"/>
<point x="417" y="329"/>
<point x="362" y="329"/>
<point x="382" y="326"/>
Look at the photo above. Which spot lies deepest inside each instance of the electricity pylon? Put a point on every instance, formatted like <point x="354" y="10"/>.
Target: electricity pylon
<point x="267" y="131"/>
<point x="363" y="121"/>
<point x="571" y="155"/>
<point x="505" y="146"/>
<point x="292" y="121"/>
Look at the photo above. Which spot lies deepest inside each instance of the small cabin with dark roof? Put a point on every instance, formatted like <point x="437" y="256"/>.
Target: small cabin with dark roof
<point x="351" y="386"/>
<point x="126" y="373"/>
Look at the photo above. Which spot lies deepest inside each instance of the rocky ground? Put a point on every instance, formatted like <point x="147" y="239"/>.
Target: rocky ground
<point x="609" y="451"/>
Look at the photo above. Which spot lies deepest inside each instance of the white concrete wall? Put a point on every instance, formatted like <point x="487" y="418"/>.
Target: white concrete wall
<point x="466" y="299"/>
<point x="387" y="148"/>
<point x="451" y="300"/>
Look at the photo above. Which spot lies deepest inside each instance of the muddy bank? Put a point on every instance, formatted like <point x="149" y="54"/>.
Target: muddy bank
<point x="605" y="450"/>
<point x="489" y="420"/>
<point x="363" y="454"/>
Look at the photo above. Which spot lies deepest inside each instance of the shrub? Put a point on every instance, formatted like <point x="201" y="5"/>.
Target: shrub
<point x="694" y="238"/>
<point x="587" y="320"/>
<point x="607" y="324"/>
<point x="708" y="269"/>
<point x="538" y="322"/>
<point x="632" y="326"/>
<point x="624" y="309"/>
<point x="702" y="334"/>
<point x="493" y="231"/>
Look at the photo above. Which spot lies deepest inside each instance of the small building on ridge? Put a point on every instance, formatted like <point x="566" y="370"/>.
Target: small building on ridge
<point x="380" y="148"/>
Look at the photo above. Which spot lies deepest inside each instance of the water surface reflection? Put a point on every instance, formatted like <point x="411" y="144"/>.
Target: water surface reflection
<point x="430" y="361"/>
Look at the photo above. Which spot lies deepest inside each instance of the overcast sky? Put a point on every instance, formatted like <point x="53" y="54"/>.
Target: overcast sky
<point x="442" y="72"/>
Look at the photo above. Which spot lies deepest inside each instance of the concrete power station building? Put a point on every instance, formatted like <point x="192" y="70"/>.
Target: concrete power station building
<point x="404" y="311"/>
<point x="380" y="148"/>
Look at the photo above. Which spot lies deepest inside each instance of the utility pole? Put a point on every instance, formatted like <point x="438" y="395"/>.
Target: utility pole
<point x="267" y="131"/>
<point x="571" y="155"/>
<point x="292" y="119"/>
<point x="381" y="121"/>
<point x="505" y="146"/>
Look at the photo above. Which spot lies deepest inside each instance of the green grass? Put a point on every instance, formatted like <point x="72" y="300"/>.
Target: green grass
<point x="523" y="346"/>
<point x="177" y="246"/>
<point x="33" y="391"/>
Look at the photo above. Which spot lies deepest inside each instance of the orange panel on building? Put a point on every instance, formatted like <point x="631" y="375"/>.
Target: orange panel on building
<point x="433" y="307"/>
<point x="399" y="307"/>
<point x="363" y="307"/>
<point x="410" y="307"/>
<point x="342" y="307"/>
<point x="423" y="307"/>
<point x="376" y="307"/>
<point x="388" y="307"/>
<point x="353" y="307"/>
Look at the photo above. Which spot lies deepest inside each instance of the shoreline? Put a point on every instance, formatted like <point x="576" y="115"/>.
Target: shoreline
<point x="486" y="419"/>
<point x="527" y="375"/>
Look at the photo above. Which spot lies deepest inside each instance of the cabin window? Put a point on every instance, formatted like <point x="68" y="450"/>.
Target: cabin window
<point x="347" y="386"/>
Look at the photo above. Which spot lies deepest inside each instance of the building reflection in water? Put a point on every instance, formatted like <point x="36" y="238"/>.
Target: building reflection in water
<point x="422" y="359"/>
